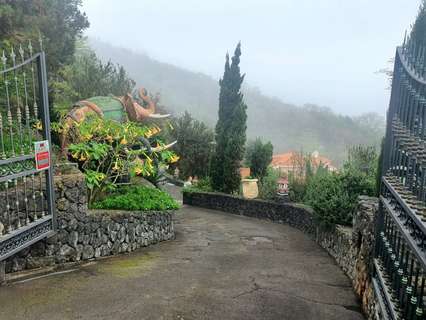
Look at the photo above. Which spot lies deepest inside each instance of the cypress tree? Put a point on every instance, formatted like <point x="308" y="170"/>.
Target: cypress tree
<point x="230" y="128"/>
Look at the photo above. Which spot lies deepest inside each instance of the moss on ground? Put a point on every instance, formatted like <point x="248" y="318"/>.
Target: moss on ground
<point x="128" y="266"/>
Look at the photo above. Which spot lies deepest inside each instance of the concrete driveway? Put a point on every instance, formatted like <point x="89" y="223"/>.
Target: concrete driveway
<point x="220" y="266"/>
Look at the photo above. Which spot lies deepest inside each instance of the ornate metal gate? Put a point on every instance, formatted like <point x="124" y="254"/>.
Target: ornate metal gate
<point x="26" y="191"/>
<point x="400" y="259"/>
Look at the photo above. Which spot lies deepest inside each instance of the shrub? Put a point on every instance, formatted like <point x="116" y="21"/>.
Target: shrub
<point x="333" y="196"/>
<point x="358" y="183"/>
<point x="362" y="158"/>
<point x="107" y="151"/>
<point x="137" y="198"/>
<point x="268" y="185"/>
<point x="297" y="189"/>
<point x="329" y="199"/>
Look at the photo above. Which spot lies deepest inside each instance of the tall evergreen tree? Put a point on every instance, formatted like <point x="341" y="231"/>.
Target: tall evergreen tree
<point x="230" y="128"/>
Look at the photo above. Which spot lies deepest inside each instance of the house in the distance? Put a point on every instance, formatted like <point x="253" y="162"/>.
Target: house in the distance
<point x="295" y="163"/>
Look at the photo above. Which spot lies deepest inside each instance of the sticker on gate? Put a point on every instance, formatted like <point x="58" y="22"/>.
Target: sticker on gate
<point x="42" y="154"/>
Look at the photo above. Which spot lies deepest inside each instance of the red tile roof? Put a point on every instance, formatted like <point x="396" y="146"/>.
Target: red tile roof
<point x="285" y="159"/>
<point x="288" y="160"/>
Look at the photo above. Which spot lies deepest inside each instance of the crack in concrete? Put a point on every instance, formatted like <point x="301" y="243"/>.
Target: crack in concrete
<point x="305" y="298"/>
<point x="310" y="282"/>
<point x="256" y="288"/>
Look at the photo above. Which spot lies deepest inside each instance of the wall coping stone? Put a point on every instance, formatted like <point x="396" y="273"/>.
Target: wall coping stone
<point x="124" y="213"/>
<point x="235" y="197"/>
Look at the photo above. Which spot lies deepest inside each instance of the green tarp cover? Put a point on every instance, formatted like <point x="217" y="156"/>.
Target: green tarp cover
<point x="111" y="107"/>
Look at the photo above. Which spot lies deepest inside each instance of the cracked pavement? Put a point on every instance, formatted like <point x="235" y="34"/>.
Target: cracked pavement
<point x="220" y="266"/>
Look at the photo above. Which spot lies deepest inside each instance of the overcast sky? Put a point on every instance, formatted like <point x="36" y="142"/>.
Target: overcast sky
<point x="324" y="52"/>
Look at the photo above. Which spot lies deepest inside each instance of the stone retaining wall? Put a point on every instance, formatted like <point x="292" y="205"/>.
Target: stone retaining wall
<point x="351" y="247"/>
<point x="298" y="216"/>
<point x="84" y="234"/>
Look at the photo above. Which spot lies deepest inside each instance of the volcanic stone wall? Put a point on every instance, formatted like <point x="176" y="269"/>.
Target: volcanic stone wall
<point x="89" y="234"/>
<point x="298" y="216"/>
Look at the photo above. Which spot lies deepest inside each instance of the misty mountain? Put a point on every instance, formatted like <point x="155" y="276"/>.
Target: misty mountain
<point x="287" y="126"/>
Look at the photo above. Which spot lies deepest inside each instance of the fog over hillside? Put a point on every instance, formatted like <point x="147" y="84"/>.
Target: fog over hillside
<point x="288" y="127"/>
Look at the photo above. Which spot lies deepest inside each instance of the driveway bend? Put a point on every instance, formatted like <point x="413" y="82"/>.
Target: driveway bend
<point x="220" y="266"/>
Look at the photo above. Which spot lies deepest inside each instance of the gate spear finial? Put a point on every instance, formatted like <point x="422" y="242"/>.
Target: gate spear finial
<point x="13" y="56"/>
<point x="4" y="60"/>
<point x="21" y="52"/>
<point x="30" y="48"/>
<point x="405" y="40"/>
<point x="40" y="40"/>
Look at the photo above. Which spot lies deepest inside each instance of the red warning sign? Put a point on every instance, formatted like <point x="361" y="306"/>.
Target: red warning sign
<point x="42" y="154"/>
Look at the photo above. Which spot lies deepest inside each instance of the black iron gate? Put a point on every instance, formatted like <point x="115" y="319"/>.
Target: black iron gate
<point x="27" y="211"/>
<point x="400" y="259"/>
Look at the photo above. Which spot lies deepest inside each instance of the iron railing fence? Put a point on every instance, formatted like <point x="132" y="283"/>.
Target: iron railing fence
<point x="400" y="257"/>
<point x="26" y="193"/>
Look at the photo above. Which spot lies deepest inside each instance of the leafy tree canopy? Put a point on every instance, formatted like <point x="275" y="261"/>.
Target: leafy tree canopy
<point x="195" y="144"/>
<point x="363" y="159"/>
<point x="87" y="76"/>
<point x="258" y="157"/>
<point x="59" y="22"/>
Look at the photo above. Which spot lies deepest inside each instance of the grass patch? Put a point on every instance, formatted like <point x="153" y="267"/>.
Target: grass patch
<point x="137" y="198"/>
